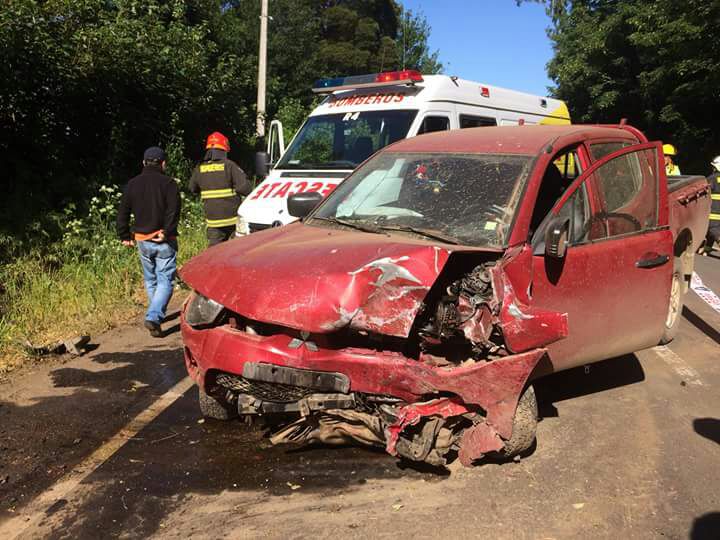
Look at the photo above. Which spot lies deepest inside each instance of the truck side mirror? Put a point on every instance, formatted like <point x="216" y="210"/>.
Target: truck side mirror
<point x="556" y="237"/>
<point x="301" y="204"/>
<point x="262" y="164"/>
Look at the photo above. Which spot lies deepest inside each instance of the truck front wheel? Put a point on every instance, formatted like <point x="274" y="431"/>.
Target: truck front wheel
<point x="675" y="304"/>
<point x="524" y="425"/>
<point x="212" y="407"/>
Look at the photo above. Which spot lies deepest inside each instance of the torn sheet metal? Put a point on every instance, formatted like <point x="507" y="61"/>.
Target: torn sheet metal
<point x="477" y="441"/>
<point x="321" y="281"/>
<point x="524" y="327"/>
<point x="413" y="413"/>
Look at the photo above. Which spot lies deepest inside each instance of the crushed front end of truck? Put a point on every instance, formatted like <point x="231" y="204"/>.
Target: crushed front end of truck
<point x="420" y="349"/>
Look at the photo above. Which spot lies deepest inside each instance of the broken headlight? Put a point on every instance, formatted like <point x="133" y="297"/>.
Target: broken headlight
<point x="202" y="311"/>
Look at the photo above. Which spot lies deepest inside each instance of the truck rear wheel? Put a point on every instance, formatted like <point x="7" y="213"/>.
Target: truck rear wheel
<point x="675" y="304"/>
<point x="524" y="425"/>
<point x="212" y="407"/>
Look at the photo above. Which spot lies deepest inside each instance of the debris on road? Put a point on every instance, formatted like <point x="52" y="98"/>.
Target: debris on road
<point x="75" y="346"/>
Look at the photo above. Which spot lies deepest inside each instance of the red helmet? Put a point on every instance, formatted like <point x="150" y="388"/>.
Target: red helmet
<point x="218" y="140"/>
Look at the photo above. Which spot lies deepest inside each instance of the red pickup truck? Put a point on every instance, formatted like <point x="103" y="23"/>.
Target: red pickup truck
<point x="413" y="308"/>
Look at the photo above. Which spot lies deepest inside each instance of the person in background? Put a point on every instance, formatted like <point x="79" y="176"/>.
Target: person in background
<point x="154" y="200"/>
<point x="713" y="234"/>
<point x="220" y="182"/>
<point x="670" y="168"/>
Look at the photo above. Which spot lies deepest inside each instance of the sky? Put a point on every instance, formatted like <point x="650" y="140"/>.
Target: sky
<point x="490" y="41"/>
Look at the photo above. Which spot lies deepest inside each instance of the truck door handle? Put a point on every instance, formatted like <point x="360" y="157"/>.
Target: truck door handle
<point x="658" y="260"/>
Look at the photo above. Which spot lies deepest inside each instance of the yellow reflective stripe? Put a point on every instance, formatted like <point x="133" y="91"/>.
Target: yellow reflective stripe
<point x="216" y="193"/>
<point x="715" y="217"/>
<point x="715" y="196"/>
<point x="212" y="167"/>
<point x="222" y="222"/>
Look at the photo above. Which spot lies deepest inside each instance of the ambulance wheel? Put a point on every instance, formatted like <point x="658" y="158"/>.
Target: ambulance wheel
<point x="675" y="305"/>
<point x="212" y="407"/>
<point x="524" y="425"/>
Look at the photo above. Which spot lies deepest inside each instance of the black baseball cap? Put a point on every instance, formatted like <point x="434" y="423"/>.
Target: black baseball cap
<point x="154" y="153"/>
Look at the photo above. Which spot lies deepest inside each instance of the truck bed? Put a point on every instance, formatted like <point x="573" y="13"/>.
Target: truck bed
<point x="689" y="207"/>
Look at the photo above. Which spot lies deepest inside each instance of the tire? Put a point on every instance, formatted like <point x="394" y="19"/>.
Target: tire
<point x="212" y="407"/>
<point x="675" y="304"/>
<point x="524" y="425"/>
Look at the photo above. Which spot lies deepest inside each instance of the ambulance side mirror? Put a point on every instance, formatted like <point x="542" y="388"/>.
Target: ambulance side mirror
<point x="301" y="204"/>
<point x="262" y="164"/>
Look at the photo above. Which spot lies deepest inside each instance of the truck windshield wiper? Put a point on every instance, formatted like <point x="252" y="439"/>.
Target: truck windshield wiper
<point x="351" y="224"/>
<point x="423" y="232"/>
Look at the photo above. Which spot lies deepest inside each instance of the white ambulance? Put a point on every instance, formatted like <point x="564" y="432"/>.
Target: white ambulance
<point x="362" y="114"/>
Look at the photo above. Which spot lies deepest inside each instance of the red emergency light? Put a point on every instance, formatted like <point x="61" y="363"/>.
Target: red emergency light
<point x="387" y="78"/>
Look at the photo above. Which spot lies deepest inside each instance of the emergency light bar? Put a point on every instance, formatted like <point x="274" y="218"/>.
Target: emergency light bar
<point x="407" y="76"/>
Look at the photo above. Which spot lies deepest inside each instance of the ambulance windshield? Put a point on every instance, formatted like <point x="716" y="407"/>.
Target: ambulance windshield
<point x="343" y="141"/>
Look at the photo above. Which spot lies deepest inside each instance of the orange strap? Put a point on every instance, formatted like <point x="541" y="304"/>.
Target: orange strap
<point x="141" y="237"/>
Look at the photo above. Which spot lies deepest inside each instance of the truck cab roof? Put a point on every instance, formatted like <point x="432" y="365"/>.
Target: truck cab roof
<point x="520" y="140"/>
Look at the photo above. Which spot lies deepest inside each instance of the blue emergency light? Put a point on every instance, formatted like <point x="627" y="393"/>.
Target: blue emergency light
<point x="387" y="78"/>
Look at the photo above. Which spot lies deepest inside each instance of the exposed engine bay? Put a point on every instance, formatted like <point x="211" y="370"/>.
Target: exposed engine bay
<point x="458" y="409"/>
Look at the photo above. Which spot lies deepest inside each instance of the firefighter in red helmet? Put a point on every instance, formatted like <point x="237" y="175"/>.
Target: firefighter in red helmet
<point x="220" y="182"/>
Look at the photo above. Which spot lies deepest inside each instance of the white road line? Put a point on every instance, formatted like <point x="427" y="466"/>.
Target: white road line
<point x="37" y="509"/>
<point x="687" y="373"/>
<point x="707" y="294"/>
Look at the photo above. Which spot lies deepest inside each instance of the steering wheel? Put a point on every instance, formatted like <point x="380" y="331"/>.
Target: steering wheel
<point x="605" y="215"/>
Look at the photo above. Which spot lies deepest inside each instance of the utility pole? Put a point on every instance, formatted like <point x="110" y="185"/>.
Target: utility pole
<point x="262" y="61"/>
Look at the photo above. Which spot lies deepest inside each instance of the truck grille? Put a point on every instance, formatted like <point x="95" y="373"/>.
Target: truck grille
<point x="281" y="393"/>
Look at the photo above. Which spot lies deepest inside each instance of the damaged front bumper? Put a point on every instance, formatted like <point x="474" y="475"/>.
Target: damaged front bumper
<point x="383" y="398"/>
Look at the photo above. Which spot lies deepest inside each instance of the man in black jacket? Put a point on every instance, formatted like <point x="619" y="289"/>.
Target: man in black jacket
<point x="220" y="182"/>
<point x="153" y="198"/>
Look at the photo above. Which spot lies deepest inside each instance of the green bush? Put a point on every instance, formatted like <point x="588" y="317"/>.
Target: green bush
<point x="86" y="282"/>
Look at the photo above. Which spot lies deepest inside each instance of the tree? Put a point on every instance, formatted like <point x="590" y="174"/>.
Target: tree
<point x="656" y="63"/>
<point x="86" y="85"/>
<point x="413" y="50"/>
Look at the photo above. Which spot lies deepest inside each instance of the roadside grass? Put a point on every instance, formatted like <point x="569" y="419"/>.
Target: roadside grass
<point x="83" y="284"/>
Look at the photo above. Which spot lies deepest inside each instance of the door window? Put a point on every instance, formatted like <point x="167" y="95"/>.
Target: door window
<point x="434" y="123"/>
<point x="600" y="150"/>
<point x="627" y="194"/>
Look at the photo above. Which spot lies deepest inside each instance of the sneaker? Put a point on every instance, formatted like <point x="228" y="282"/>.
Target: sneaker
<point x="154" y="328"/>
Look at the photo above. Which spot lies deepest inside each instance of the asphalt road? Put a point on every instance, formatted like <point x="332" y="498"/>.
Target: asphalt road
<point x="629" y="449"/>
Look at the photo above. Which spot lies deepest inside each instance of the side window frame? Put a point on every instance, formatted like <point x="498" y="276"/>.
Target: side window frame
<point x="588" y="178"/>
<point x="582" y="159"/>
<point x="434" y="115"/>
<point x="487" y="121"/>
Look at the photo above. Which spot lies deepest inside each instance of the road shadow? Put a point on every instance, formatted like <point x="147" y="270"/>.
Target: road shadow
<point x="174" y="329"/>
<point x="710" y="429"/>
<point x="45" y="437"/>
<point x="706" y="527"/>
<point x="171" y="316"/>
<point x="576" y="382"/>
<point x="180" y="454"/>
<point x="177" y="455"/>
<point x="700" y="324"/>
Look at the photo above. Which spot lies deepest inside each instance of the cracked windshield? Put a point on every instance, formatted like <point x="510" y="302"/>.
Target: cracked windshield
<point x="454" y="198"/>
<point x="343" y="141"/>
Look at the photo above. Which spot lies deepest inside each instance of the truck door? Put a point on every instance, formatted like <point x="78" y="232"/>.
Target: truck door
<point x="614" y="280"/>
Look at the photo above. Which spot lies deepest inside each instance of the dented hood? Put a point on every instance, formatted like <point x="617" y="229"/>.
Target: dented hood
<point x="320" y="280"/>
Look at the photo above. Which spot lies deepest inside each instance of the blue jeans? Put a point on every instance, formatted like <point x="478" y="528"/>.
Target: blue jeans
<point x="159" y="262"/>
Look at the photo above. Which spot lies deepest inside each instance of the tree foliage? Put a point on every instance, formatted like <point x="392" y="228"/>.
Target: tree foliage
<point x="413" y="51"/>
<point x="86" y="85"/>
<point x="655" y="62"/>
